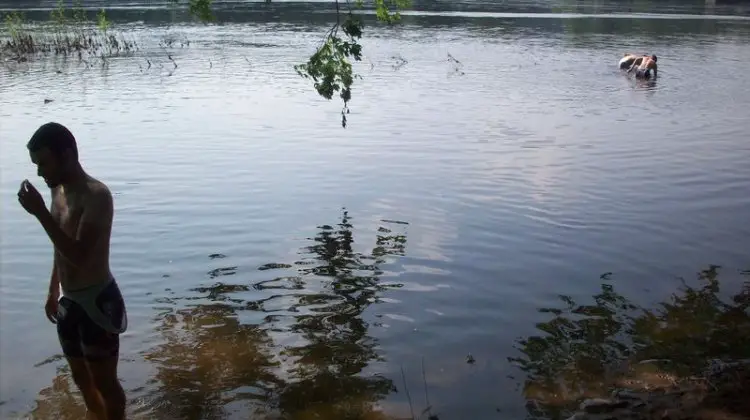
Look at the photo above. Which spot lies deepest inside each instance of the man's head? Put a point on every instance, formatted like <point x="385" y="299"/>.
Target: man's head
<point x="653" y="57"/>
<point x="54" y="151"/>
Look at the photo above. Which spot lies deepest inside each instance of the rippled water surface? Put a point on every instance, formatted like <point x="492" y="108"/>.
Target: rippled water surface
<point x="275" y="263"/>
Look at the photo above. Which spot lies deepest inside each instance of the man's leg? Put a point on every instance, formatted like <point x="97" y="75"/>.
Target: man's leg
<point x="69" y="319"/>
<point x="104" y="375"/>
<point x="85" y="383"/>
<point x="102" y="351"/>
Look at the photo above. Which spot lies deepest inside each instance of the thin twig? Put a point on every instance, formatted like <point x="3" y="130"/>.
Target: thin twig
<point x="172" y="60"/>
<point x="406" y="389"/>
<point x="426" y="395"/>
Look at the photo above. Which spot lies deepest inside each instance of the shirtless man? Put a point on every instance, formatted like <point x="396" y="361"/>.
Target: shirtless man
<point x="644" y="67"/>
<point x="91" y="313"/>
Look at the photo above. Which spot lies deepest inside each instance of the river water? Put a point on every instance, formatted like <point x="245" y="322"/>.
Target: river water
<point x="275" y="262"/>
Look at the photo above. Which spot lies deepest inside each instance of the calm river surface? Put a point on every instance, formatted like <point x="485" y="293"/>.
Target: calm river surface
<point x="274" y="262"/>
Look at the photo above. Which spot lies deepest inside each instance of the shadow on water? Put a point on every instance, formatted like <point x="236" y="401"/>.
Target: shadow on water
<point x="306" y="357"/>
<point x="675" y="350"/>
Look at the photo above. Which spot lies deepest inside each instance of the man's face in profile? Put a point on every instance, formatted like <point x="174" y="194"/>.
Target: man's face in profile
<point x="48" y="166"/>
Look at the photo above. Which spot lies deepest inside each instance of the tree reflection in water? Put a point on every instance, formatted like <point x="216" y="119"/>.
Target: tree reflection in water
<point x="210" y="365"/>
<point x="336" y="347"/>
<point x="586" y="351"/>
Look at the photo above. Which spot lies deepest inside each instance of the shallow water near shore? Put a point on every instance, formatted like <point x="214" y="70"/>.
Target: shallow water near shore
<point x="277" y="264"/>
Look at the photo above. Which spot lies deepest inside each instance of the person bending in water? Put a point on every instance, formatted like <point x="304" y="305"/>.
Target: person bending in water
<point x="630" y="59"/>
<point x="91" y="313"/>
<point x="643" y="69"/>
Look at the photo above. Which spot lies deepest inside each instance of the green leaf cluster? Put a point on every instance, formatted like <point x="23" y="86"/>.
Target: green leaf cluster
<point x="330" y="67"/>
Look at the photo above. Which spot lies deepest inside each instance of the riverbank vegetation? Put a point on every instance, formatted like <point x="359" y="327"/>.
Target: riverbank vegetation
<point x="68" y="33"/>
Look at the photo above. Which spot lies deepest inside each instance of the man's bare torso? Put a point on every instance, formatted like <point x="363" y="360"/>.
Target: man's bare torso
<point x="67" y="209"/>
<point x="647" y="63"/>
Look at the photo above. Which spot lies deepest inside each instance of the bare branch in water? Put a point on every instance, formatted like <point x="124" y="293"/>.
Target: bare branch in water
<point x="172" y="60"/>
<point x="406" y="389"/>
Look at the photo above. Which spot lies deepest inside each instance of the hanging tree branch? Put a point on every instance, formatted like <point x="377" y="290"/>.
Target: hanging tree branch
<point x="330" y="67"/>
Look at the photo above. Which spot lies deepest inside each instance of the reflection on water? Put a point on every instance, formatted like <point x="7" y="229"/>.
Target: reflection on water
<point x="211" y="365"/>
<point x="521" y="179"/>
<point x="589" y="350"/>
<point x="207" y="360"/>
<point x="61" y="400"/>
<point x="335" y="347"/>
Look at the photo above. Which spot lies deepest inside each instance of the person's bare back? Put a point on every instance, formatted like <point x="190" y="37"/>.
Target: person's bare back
<point x="629" y="60"/>
<point x="85" y="210"/>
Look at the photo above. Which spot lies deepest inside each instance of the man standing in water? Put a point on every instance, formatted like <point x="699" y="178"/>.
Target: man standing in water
<point x="91" y="313"/>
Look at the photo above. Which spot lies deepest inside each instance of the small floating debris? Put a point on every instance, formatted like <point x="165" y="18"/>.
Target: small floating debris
<point x="51" y="359"/>
<point x="223" y="271"/>
<point x="398" y="222"/>
<point x="271" y="266"/>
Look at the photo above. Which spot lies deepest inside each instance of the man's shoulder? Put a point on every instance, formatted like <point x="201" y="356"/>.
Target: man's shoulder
<point x="99" y="195"/>
<point x="98" y="188"/>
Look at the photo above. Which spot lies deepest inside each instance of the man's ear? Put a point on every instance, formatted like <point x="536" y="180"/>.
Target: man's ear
<point x="68" y="157"/>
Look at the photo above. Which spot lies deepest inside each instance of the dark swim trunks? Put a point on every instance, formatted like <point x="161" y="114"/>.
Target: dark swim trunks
<point x="643" y="74"/>
<point x="90" y="321"/>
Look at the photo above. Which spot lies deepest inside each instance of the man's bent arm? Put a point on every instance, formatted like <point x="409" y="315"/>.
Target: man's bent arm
<point x="96" y="217"/>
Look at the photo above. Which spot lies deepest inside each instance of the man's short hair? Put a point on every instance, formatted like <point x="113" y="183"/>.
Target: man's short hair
<point x="653" y="57"/>
<point x="56" y="138"/>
